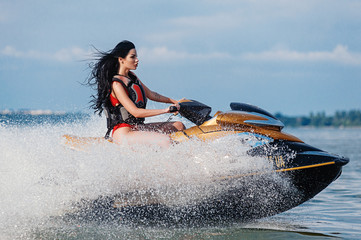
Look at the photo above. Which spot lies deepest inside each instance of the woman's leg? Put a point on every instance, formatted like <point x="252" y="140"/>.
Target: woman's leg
<point x="126" y="135"/>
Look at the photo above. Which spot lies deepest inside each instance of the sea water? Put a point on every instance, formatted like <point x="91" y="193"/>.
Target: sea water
<point x="41" y="179"/>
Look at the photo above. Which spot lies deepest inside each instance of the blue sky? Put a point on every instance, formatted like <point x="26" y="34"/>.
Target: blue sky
<point x="288" y="56"/>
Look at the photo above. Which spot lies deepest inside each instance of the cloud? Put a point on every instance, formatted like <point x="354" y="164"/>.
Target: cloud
<point x="62" y="55"/>
<point x="340" y="54"/>
<point x="69" y="54"/>
<point x="164" y="54"/>
<point x="180" y="29"/>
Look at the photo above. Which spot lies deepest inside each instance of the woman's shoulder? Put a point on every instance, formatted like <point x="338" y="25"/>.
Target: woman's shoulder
<point x="119" y="81"/>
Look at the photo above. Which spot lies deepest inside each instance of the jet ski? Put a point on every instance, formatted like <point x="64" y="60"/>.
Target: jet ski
<point x="298" y="173"/>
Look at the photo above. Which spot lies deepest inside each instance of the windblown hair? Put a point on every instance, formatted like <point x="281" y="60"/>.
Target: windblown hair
<point x="103" y="70"/>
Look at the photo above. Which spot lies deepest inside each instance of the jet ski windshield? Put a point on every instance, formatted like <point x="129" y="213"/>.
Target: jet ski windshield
<point x="195" y="111"/>
<point x="235" y="106"/>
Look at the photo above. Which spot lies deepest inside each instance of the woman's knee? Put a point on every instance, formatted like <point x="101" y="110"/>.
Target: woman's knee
<point x="179" y="125"/>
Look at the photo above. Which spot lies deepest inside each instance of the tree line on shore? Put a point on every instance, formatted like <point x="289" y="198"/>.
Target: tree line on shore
<point x="350" y="118"/>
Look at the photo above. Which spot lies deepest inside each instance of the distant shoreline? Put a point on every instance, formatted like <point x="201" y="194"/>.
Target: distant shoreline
<point x="323" y="127"/>
<point x="340" y="119"/>
<point x="33" y="112"/>
<point x="36" y="112"/>
<point x="350" y="118"/>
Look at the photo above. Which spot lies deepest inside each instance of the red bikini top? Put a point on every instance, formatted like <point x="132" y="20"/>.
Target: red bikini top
<point x="114" y="101"/>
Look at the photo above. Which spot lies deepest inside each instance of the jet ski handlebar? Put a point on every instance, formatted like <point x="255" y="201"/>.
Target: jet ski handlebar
<point x="173" y="109"/>
<point x="194" y="111"/>
<point x="198" y="113"/>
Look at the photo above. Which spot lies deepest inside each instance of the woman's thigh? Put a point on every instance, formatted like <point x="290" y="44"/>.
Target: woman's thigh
<point x="129" y="136"/>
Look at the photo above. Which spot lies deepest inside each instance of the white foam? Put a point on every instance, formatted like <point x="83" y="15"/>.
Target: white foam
<point x="41" y="178"/>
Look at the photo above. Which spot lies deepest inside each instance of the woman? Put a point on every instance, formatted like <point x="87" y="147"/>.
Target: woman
<point x="124" y="98"/>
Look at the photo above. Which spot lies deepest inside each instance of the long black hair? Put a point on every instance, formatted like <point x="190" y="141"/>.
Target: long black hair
<point x="102" y="73"/>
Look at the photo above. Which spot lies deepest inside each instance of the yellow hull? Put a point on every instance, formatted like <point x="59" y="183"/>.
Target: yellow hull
<point x="82" y="143"/>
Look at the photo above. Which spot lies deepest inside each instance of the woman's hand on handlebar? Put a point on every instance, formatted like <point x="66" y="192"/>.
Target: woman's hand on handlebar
<point x="173" y="109"/>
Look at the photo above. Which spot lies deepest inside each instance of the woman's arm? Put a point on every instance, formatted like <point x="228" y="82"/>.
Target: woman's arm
<point x="157" y="97"/>
<point x="124" y="99"/>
